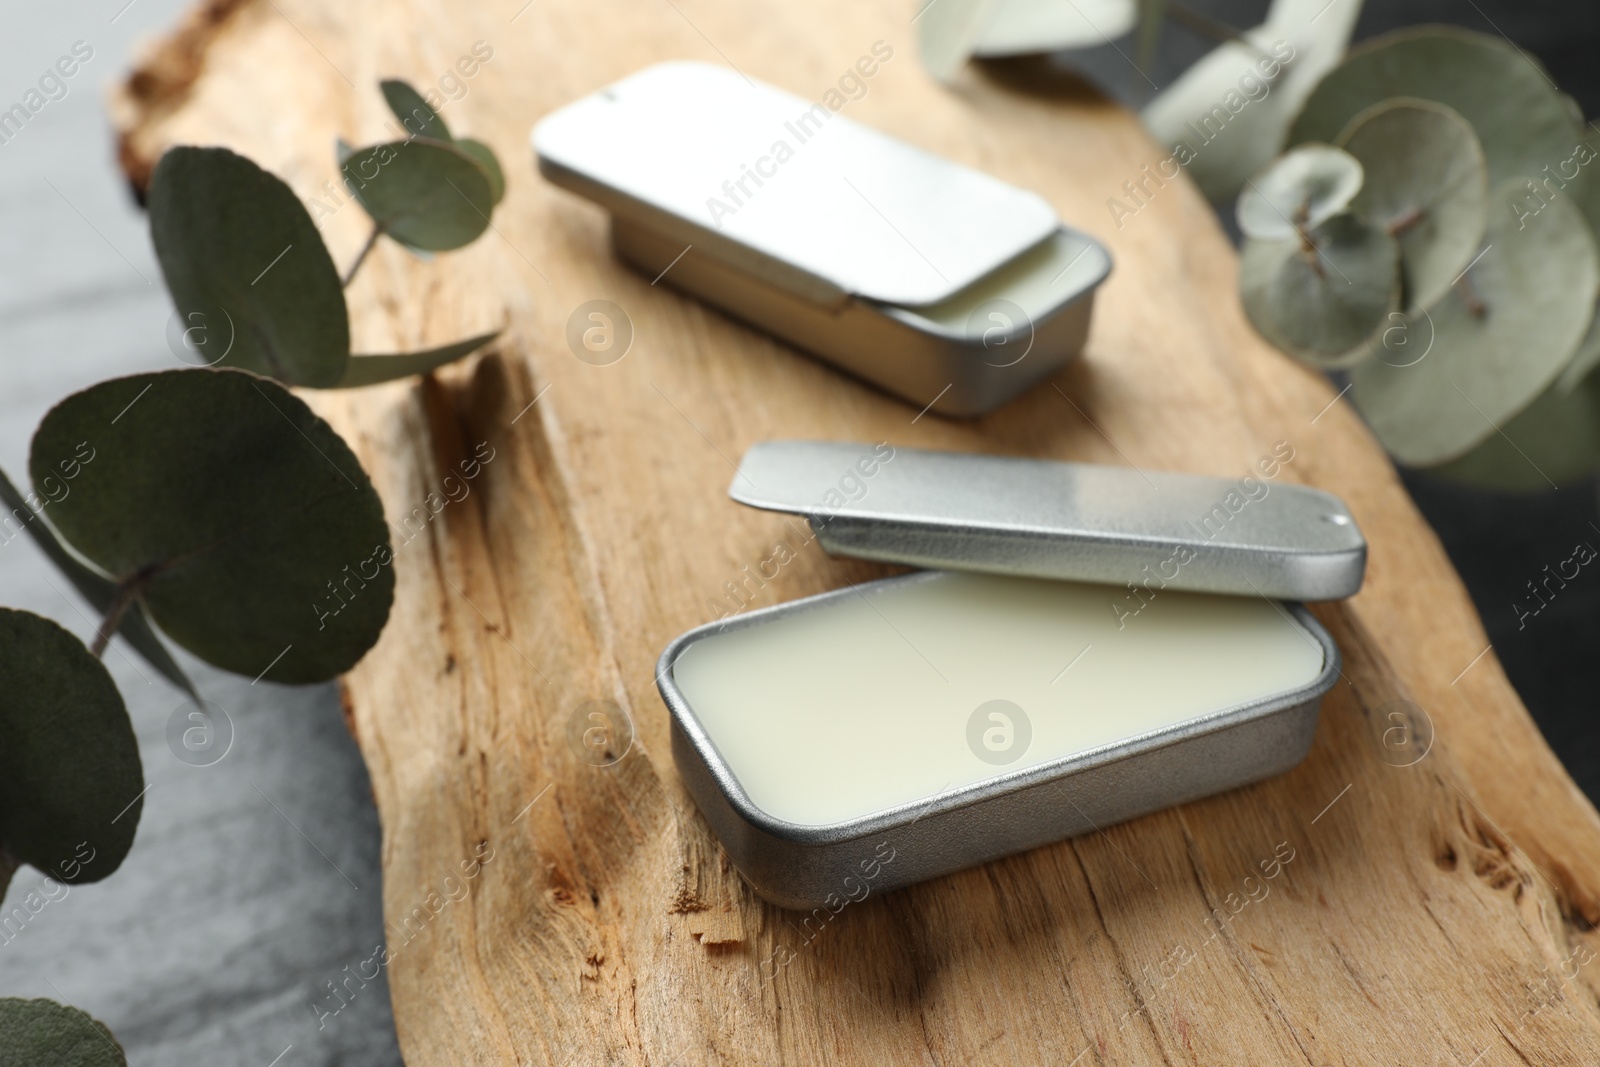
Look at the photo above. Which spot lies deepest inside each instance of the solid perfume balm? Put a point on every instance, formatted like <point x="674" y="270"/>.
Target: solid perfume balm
<point x="1091" y="644"/>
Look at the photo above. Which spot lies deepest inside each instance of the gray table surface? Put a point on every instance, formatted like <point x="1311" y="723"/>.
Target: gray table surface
<point x="255" y="881"/>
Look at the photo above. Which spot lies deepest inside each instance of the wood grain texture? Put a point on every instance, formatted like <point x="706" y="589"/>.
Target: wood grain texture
<point x="1432" y="914"/>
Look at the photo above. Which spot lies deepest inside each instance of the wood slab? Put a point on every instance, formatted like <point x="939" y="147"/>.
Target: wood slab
<point x="1436" y="913"/>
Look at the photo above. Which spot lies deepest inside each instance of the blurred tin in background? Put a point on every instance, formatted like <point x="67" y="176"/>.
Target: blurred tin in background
<point x="931" y="280"/>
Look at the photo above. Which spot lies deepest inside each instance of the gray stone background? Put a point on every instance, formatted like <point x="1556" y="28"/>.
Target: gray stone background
<point x="255" y="881"/>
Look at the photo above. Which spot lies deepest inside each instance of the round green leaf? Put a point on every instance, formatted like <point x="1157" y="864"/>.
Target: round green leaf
<point x="1300" y="190"/>
<point x="485" y="157"/>
<point x="247" y="268"/>
<point x="427" y="194"/>
<point x="1491" y="344"/>
<point x="1554" y="441"/>
<point x="1585" y="358"/>
<point x="1319" y="298"/>
<point x="1521" y="121"/>
<point x="96" y="588"/>
<point x="44" y="1032"/>
<point x="70" y="777"/>
<point x="413" y="111"/>
<point x="1426" y="184"/>
<point x="1225" y="117"/>
<point x="1259" y="263"/>
<point x="255" y="538"/>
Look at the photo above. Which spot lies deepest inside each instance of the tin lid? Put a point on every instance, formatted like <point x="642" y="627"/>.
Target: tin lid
<point x="1252" y="535"/>
<point x="786" y="188"/>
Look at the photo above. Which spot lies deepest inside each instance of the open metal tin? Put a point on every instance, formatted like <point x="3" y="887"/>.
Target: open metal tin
<point x="931" y="280"/>
<point x="808" y="866"/>
<point x="815" y="744"/>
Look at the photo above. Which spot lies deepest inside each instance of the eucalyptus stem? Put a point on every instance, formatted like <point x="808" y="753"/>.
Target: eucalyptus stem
<point x="1206" y="26"/>
<point x="361" y="256"/>
<point x="1470" y="295"/>
<point x="126" y="591"/>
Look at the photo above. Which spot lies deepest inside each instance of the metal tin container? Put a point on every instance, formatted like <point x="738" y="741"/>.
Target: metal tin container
<point x="933" y="281"/>
<point x="799" y="866"/>
<point x="810" y="862"/>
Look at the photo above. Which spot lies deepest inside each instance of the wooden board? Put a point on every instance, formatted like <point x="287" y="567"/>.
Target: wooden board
<point x="1437" y="913"/>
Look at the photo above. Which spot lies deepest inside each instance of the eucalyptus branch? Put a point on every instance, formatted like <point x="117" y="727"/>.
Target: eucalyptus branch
<point x="1470" y="295"/>
<point x="361" y="257"/>
<point x="127" y="590"/>
<point x="1206" y="26"/>
<point x="1405" y="221"/>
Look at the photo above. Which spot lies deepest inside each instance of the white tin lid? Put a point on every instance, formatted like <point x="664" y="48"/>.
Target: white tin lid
<point x="1252" y="535"/>
<point x="786" y="188"/>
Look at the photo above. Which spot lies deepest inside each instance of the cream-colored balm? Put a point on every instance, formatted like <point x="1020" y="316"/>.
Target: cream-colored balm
<point x="1035" y="282"/>
<point x="916" y="688"/>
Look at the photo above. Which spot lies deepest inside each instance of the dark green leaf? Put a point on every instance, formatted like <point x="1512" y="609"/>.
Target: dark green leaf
<point x="427" y="194"/>
<point x="491" y="166"/>
<point x="255" y="537"/>
<point x="70" y="778"/>
<point x="413" y="111"/>
<point x="42" y="1032"/>
<point x="369" y="370"/>
<point x="1521" y="121"/>
<point x="244" y="262"/>
<point x="95" y="587"/>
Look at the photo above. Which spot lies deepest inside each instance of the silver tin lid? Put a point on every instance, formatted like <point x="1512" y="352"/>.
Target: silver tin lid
<point x="955" y="511"/>
<point x="785" y="188"/>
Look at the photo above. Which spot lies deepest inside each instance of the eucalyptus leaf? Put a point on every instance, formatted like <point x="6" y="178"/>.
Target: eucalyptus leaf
<point x="242" y="519"/>
<point x="1491" y="344"/>
<point x="1225" y="117"/>
<point x="369" y="370"/>
<point x="243" y="260"/>
<point x="1301" y="189"/>
<point x="1586" y="358"/>
<point x="95" y="587"/>
<point x="1554" y="441"/>
<point x="1022" y="27"/>
<point x="485" y="158"/>
<point x="71" y="784"/>
<point x="1577" y="175"/>
<point x="1521" y="120"/>
<point x="427" y="194"/>
<point x="413" y="111"/>
<point x="38" y="1032"/>
<point x="949" y="30"/>
<point x="1259" y="264"/>
<point x="1426" y="183"/>
<point x="1319" y="298"/>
